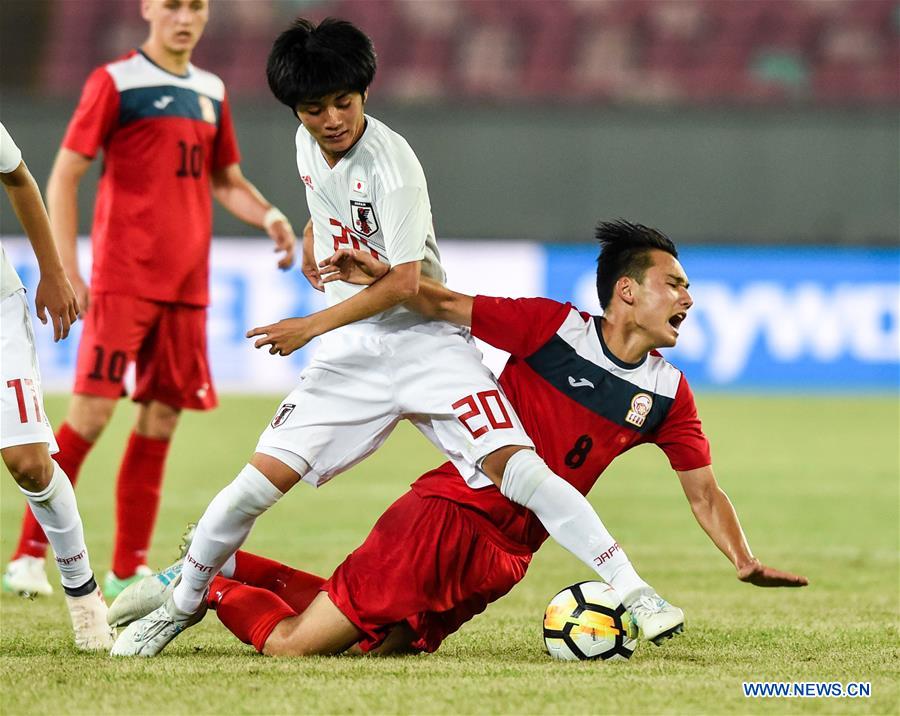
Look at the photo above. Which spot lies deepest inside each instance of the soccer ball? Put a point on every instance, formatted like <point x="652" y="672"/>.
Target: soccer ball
<point x="588" y="621"/>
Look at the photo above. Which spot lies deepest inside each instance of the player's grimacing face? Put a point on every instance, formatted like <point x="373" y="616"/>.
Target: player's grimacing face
<point x="176" y="24"/>
<point x="335" y="121"/>
<point x="662" y="300"/>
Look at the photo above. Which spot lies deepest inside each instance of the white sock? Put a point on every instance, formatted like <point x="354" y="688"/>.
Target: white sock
<point x="228" y="568"/>
<point x="569" y="519"/>
<point x="56" y="511"/>
<point x="221" y="531"/>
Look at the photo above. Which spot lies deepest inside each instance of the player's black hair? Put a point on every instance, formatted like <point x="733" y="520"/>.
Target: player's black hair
<point x="625" y="251"/>
<point x="308" y="62"/>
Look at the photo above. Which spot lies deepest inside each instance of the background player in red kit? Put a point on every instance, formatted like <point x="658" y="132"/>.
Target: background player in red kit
<point x="168" y="142"/>
<point x="443" y="551"/>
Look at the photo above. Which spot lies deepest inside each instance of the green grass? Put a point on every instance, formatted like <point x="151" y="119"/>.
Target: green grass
<point x="815" y="481"/>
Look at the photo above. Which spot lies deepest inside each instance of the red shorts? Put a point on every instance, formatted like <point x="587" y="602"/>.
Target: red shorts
<point x="167" y="341"/>
<point x="430" y="563"/>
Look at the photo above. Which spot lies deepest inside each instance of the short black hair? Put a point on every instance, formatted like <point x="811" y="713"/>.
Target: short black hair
<point x="625" y="251"/>
<point x="308" y="62"/>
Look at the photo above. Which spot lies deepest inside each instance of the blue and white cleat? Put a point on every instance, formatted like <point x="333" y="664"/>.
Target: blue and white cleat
<point x="149" y="635"/>
<point x="655" y="618"/>
<point x="142" y="597"/>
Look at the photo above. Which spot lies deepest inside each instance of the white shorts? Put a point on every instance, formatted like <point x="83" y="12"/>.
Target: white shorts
<point x="365" y="378"/>
<point x="22" y="417"/>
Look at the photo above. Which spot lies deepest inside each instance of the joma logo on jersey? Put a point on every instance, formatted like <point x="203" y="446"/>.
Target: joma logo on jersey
<point x="640" y="409"/>
<point x="283" y="412"/>
<point x="364" y="220"/>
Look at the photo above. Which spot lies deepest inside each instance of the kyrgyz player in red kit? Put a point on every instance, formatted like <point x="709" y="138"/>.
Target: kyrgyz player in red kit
<point x="587" y="389"/>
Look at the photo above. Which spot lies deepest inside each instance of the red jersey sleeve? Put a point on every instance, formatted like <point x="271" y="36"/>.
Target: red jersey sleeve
<point x="681" y="436"/>
<point x="517" y="325"/>
<point x="95" y="117"/>
<point x="225" y="151"/>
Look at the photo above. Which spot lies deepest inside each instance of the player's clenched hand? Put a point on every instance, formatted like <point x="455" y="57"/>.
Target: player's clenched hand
<point x="762" y="576"/>
<point x="281" y="232"/>
<point x="56" y="296"/>
<point x="284" y="337"/>
<point x="353" y="266"/>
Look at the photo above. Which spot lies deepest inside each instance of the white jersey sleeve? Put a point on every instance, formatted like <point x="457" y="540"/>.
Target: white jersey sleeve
<point x="10" y="158"/>
<point x="375" y="198"/>
<point x="405" y="216"/>
<point x="10" y="155"/>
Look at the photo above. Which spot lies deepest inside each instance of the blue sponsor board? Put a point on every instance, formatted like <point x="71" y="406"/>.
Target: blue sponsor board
<point x="772" y="318"/>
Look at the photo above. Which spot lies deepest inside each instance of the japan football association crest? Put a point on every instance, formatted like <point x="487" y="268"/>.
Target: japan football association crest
<point x="640" y="409"/>
<point x="282" y="415"/>
<point x="364" y="221"/>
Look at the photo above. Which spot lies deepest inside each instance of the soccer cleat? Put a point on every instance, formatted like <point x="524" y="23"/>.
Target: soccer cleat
<point x="113" y="586"/>
<point x="88" y="613"/>
<point x="142" y="597"/>
<point x="26" y="577"/>
<point x="655" y="618"/>
<point x="149" y="635"/>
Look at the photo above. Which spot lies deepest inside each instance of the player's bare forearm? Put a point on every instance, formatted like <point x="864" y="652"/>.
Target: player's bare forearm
<point x="308" y="259"/>
<point x="54" y="292"/>
<point x="62" y="205"/>
<point x="434" y="300"/>
<point x="242" y="199"/>
<point x="25" y="198"/>
<point x="718" y="518"/>
<point x="286" y="336"/>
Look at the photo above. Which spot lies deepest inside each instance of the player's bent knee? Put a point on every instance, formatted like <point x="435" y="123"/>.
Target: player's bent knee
<point x="30" y="465"/>
<point x="88" y="415"/>
<point x="495" y="464"/>
<point x="157" y="420"/>
<point x="321" y="630"/>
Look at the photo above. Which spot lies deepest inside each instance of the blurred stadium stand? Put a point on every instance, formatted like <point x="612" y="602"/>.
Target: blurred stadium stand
<point x="744" y="52"/>
<point x="722" y="121"/>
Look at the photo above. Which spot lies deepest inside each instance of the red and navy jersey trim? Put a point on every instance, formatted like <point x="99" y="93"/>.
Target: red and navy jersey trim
<point x="163" y="101"/>
<point x="593" y="386"/>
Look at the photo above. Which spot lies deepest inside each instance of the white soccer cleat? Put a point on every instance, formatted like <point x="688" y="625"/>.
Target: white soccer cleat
<point x="142" y="597"/>
<point x="149" y="635"/>
<point x="26" y="577"/>
<point x="88" y="613"/>
<point x="656" y="619"/>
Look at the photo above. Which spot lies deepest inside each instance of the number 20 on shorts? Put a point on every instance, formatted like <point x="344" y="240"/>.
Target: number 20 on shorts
<point x="485" y="411"/>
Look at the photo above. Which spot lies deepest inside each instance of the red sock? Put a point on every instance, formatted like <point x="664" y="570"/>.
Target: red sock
<point x="294" y="587"/>
<point x="73" y="449"/>
<point x="250" y="613"/>
<point x="138" y="489"/>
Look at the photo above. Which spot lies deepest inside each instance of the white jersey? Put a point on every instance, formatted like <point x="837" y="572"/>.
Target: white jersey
<point x="375" y="198"/>
<point x="10" y="158"/>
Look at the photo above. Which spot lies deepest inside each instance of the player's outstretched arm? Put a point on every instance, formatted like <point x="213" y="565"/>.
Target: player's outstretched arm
<point x="717" y="516"/>
<point x="433" y="300"/>
<point x="62" y="204"/>
<point x="235" y="192"/>
<point x="398" y="285"/>
<point x="54" y="292"/>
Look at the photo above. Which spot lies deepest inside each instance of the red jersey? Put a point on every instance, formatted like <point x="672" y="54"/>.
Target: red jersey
<point x="161" y="134"/>
<point x="580" y="405"/>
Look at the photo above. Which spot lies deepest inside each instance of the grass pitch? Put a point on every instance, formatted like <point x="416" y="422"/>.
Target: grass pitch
<point x="815" y="481"/>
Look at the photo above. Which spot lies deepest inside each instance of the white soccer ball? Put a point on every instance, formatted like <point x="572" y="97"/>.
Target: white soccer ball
<point x="588" y="621"/>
